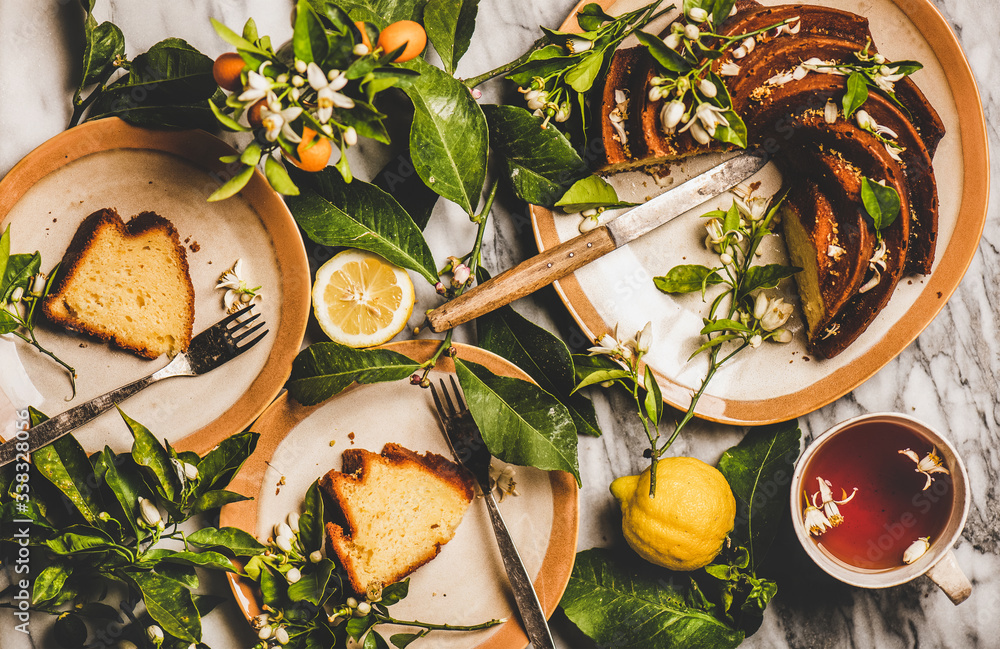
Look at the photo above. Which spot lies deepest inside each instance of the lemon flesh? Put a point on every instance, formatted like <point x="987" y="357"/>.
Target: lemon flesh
<point x="361" y="300"/>
<point x="685" y="525"/>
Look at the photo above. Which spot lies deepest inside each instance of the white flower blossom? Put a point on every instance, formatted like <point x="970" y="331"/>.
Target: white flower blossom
<point x="887" y="77"/>
<point x="729" y="69"/>
<point x="278" y="121"/>
<point x="829" y="504"/>
<point x="772" y="312"/>
<point x="814" y="520"/>
<point x="927" y="465"/>
<point x="258" y="85"/>
<point x="238" y="293"/>
<point x="293" y="575"/>
<point x="671" y="114"/>
<point x="327" y="87"/>
<point x="575" y="44"/>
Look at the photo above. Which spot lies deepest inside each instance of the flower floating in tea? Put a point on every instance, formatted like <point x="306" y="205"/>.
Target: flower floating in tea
<point x="820" y="516"/>
<point x="927" y="465"/>
<point x="917" y="549"/>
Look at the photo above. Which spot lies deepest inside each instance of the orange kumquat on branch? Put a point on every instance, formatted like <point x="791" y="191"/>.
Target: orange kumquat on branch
<point x="403" y="32"/>
<point x="227" y="70"/>
<point x="313" y="151"/>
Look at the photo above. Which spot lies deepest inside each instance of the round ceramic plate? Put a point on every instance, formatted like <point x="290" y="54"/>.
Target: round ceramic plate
<point x="108" y="163"/>
<point x="466" y="583"/>
<point x="779" y="382"/>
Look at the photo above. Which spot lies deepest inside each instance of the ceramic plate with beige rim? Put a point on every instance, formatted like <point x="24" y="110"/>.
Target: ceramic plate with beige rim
<point x="466" y="583"/>
<point x="779" y="382"/>
<point x="108" y="163"/>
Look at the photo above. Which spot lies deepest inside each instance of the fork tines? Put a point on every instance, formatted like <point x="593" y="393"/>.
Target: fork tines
<point x="451" y="411"/>
<point x="231" y="332"/>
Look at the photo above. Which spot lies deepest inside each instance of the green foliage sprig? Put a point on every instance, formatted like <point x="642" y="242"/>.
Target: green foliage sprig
<point x="22" y="288"/>
<point x="99" y="523"/>
<point x="618" y="600"/>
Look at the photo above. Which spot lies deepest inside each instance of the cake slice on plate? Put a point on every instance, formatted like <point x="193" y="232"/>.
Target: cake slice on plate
<point x="396" y="511"/>
<point x="127" y="284"/>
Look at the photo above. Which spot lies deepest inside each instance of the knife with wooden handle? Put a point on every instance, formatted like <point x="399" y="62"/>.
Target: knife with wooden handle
<point x="558" y="262"/>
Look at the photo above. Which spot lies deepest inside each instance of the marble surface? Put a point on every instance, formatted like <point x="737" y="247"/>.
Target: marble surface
<point x="948" y="377"/>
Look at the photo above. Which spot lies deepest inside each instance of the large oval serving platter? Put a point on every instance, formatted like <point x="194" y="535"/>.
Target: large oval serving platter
<point x="779" y="382"/>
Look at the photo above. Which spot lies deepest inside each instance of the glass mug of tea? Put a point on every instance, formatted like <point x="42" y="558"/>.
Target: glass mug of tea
<point x="879" y="500"/>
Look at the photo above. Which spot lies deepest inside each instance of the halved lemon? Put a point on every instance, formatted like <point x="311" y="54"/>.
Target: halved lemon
<point x="360" y="299"/>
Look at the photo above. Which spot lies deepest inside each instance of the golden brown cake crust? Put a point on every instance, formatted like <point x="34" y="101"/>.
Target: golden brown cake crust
<point x="356" y="463"/>
<point x="84" y="238"/>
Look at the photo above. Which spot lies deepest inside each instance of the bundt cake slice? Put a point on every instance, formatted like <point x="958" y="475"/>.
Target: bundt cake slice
<point x="127" y="284"/>
<point x="396" y="510"/>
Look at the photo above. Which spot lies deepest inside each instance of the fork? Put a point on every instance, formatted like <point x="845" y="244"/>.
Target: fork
<point x="470" y="450"/>
<point x="208" y="350"/>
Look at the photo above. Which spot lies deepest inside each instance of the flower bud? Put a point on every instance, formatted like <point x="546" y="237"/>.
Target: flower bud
<point x="284" y="543"/>
<point x="644" y="338"/>
<point x="281" y="78"/>
<point x="351" y="603"/>
<point x="461" y="274"/>
<point x="293" y="521"/>
<point x="671" y="114"/>
<point x="739" y="52"/>
<point x="726" y="258"/>
<point x="149" y="512"/>
<point x="282" y="529"/>
<point x="707" y="88"/>
<point x="782" y="336"/>
<point x="864" y="119"/>
<point x="126" y="644"/>
<point x="315" y="556"/>
<point x="697" y="14"/>
<point x="363" y="609"/>
<point x="300" y="66"/>
<point x="281" y="635"/>
<point x="755" y="341"/>
<point x="700" y="134"/>
<point x="576" y="45"/>
<point x="293" y="575"/>
<point x="588" y="224"/>
<point x="298" y="81"/>
<point x="154" y="634"/>
<point x="361" y="49"/>
<point x="878" y="58"/>
<point x="691" y="32"/>
<point x="830" y="112"/>
<point x="351" y="136"/>
<point x="673" y="41"/>
<point x="760" y="305"/>
<point x="655" y="93"/>
<point x="190" y="471"/>
<point x="563" y="113"/>
<point x="439" y="287"/>
<point x="17" y="294"/>
<point x="265" y="632"/>
<point x="916" y="550"/>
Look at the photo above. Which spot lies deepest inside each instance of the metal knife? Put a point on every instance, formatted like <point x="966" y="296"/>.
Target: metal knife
<point x="555" y="263"/>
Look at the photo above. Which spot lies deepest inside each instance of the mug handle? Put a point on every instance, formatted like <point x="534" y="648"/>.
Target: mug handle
<point x="950" y="578"/>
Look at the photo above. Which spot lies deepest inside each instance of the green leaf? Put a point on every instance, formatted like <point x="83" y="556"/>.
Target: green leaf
<point x="235" y="39"/>
<point x="759" y="470"/>
<point x="18" y="273"/>
<point x="312" y="585"/>
<point x="581" y="76"/>
<point x="170" y="604"/>
<point x="4" y="256"/>
<point x="273" y="588"/>
<point x="735" y="133"/>
<point x="358" y="626"/>
<point x="758" y="277"/>
<point x="403" y="640"/>
<point x="591" y="17"/>
<point x="251" y="154"/>
<point x="542" y="355"/>
<point x="103" y="43"/>
<point x="182" y="574"/>
<point x="81" y="538"/>
<point x="449" y="25"/>
<point x="856" y="95"/>
<point x="687" y="278"/>
<point x="325" y="369"/>
<point x="228" y="122"/>
<point x="399" y="179"/>
<point x="619" y="602"/>
<point x="233" y="539"/>
<point x="208" y="559"/>
<point x="666" y="57"/>
<point x="360" y="215"/>
<point x="217" y="468"/>
<point x="590" y="193"/>
<point x="520" y="423"/>
<point x="50" y="581"/>
<point x="601" y="376"/>
<point x="541" y="164"/>
<point x="653" y="402"/>
<point x="212" y="500"/>
<point x="65" y="464"/>
<point x="448" y="137"/>
<point x="309" y="40"/>
<point x="125" y="481"/>
<point x="232" y="186"/>
<point x="149" y="453"/>
<point x="383" y="12"/>
<point x="881" y="202"/>
<point x="278" y="178"/>
<point x="395" y="593"/>
<point x="311" y="529"/>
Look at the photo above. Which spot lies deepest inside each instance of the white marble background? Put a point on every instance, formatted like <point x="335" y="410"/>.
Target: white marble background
<point x="948" y="377"/>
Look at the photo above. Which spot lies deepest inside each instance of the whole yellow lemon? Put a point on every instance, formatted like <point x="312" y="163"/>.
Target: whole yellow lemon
<point x="684" y="526"/>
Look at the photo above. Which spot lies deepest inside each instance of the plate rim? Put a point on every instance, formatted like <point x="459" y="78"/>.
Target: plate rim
<point x="284" y="414"/>
<point x="203" y="150"/>
<point x="953" y="261"/>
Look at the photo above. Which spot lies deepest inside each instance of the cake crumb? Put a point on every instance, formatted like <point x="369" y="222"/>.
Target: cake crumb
<point x="195" y="246"/>
<point x="332" y="442"/>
